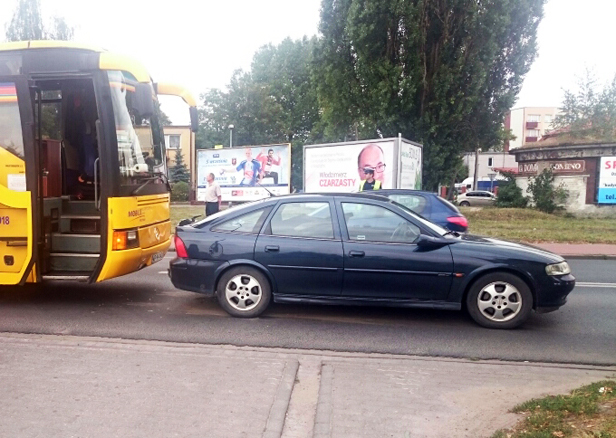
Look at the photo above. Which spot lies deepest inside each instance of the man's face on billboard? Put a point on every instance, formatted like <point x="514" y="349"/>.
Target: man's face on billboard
<point x="248" y="154"/>
<point x="372" y="156"/>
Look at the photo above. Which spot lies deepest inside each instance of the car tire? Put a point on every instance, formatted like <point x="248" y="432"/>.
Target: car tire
<point x="244" y="292"/>
<point x="499" y="300"/>
<point x="465" y="204"/>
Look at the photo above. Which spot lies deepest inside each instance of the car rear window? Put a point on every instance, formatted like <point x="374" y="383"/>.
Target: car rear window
<point x="447" y="205"/>
<point x="247" y="223"/>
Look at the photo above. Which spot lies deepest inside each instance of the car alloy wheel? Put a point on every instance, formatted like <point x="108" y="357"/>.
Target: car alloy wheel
<point x="243" y="292"/>
<point x="464" y="204"/>
<point x="499" y="301"/>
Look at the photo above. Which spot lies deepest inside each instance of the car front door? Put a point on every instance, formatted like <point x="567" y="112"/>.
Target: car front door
<point x="301" y="247"/>
<point x="382" y="260"/>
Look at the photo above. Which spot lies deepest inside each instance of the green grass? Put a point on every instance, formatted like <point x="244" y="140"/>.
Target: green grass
<point x="179" y="212"/>
<point x="529" y="225"/>
<point x="586" y="412"/>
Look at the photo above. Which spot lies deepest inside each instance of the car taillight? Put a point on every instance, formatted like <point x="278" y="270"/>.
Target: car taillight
<point x="180" y="248"/>
<point x="458" y="220"/>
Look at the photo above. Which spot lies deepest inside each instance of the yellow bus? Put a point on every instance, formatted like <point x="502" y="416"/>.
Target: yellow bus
<point x="82" y="196"/>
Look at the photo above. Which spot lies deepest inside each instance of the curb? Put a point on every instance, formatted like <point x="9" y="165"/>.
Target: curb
<point x="278" y="410"/>
<point x="589" y="256"/>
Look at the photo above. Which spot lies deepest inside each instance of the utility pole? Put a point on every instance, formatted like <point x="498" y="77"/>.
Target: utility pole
<point x="475" y="183"/>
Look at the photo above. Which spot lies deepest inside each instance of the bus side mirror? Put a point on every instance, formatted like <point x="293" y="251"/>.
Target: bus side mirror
<point x="194" y="119"/>
<point x="144" y="103"/>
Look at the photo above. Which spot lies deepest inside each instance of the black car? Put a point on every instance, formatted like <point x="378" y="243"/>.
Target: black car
<point x="361" y="249"/>
<point x="429" y="205"/>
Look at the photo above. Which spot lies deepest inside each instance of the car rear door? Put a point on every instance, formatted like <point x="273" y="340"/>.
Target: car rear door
<point x="381" y="259"/>
<point x="18" y="182"/>
<point x="301" y="247"/>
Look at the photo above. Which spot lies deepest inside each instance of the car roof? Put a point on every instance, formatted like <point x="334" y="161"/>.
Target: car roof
<point x="361" y="195"/>
<point x="410" y="191"/>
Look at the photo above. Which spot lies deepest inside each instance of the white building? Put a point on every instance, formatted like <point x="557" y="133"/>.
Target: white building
<point x="528" y="124"/>
<point x="489" y="163"/>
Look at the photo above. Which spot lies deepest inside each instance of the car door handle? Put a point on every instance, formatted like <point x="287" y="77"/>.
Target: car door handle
<point x="272" y="248"/>
<point x="357" y="253"/>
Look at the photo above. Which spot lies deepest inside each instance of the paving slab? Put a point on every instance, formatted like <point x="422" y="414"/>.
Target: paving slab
<point x="54" y="387"/>
<point x="67" y="386"/>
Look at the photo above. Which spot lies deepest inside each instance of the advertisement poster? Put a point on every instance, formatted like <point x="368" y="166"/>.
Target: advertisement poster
<point x="245" y="173"/>
<point x="410" y="166"/>
<point x="607" y="181"/>
<point x="339" y="168"/>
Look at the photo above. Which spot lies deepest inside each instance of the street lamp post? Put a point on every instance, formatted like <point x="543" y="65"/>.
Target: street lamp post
<point x="231" y="135"/>
<point x="476" y="176"/>
<point x="491" y="175"/>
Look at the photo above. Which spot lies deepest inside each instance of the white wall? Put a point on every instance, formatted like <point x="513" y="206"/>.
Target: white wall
<point x="517" y="128"/>
<point x="576" y="203"/>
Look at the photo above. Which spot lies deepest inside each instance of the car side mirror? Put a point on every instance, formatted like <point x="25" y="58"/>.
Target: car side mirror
<point x="144" y="101"/>
<point x="194" y="119"/>
<point x="428" y="242"/>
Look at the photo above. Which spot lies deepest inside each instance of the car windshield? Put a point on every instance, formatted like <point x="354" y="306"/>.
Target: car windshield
<point x="436" y="228"/>
<point x="222" y="213"/>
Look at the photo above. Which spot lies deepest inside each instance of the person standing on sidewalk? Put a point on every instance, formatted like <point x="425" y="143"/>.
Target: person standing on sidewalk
<point x="213" y="196"/>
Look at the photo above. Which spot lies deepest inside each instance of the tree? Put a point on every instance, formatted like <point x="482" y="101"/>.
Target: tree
<point x="27" y="24"/>
<point x="441" y="72"/>
<point x="588" y="112"/>
<point x="510" y="194"/>
<point x="179" y="172"/>
<point x="276" y="102"/>
<point x="546" y="197"/>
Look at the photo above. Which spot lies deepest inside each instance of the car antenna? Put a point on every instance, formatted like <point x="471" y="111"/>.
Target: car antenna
<point x="270" y="193"/>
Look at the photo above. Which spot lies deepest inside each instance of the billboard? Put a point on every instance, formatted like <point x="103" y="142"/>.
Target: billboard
<point x="410" y="166"/>
<point x="338" y="167"/>
<point x="246" y="173"/>
<point x="607" y="181"/>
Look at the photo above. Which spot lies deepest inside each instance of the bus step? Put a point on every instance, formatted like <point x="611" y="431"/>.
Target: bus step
<point x="79" y="208"/>
<point x="72" y="262"/>
<point x="80" y="224"/>
<point x="66" y="276"/>
<point x="76" y="243"/>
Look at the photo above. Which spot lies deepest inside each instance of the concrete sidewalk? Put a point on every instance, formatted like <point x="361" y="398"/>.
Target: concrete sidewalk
<point x="59" y="386"/>
<point x="580" y="250"/>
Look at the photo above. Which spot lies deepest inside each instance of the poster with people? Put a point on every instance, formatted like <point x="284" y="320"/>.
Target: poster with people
<point x="342" y="167"/>
<point x="246" y="173"/>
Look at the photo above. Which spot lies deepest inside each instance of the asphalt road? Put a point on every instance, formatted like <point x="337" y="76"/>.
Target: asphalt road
<point x="145" y="305"/>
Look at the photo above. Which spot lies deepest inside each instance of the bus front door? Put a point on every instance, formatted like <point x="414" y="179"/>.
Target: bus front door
<point x="18" y="183"/>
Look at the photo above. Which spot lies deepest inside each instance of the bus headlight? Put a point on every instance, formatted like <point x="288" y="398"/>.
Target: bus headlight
<point x="125" y="239"/>
<point x="561" y="268"/>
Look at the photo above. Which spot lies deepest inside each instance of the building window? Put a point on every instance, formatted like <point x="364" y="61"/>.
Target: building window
<point x="490" y="162"/>
<point x="548" y="118"/>
<point x="172" y="141"/>
<point x="533" y="133"/>
<point x="533" y="118"/>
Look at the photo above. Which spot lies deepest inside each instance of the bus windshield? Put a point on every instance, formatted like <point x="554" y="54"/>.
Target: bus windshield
<point x="140" y="141"/>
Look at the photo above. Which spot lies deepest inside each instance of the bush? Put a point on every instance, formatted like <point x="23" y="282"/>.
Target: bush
<point x="179" y="192"/>
<point x="509" y="194"/>
<point x="547" y="198"/>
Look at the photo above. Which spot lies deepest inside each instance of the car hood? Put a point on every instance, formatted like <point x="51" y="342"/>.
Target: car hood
<point x="505" y="244"/>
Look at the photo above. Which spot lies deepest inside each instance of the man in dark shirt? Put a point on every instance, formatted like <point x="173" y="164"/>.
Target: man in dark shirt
<point x="369" y="183"/>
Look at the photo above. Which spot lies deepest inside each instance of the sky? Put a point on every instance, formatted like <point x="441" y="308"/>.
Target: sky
<point x="200" y="43"/>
